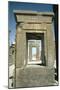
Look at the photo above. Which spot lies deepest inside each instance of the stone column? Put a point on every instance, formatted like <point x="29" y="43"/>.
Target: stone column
<point x="30" y="52"/>
<point x="20" y="47"/>
<point x="50" y="44"/>
<point x="37" y="53"/>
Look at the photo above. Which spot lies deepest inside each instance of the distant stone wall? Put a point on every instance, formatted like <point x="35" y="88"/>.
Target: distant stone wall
<point x="11" y="60"/>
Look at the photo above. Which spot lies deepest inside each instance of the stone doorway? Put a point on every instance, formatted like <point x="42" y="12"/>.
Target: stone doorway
<point x="34" y="33"/>
<point x="35" y="48"/>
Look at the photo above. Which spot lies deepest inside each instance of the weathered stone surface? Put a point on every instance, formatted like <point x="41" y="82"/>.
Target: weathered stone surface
<point x="20" y="49"/>
<point x="34" y="76"/>
<point x="51" y="45"/>
<point x="33" y="17"/>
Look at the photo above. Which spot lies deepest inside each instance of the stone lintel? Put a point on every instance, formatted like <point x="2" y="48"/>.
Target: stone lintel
<point x="32" y="16"/>
<point x="26" y="12"/>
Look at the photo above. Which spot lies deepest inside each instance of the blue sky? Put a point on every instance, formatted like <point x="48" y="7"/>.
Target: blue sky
<point x="23" y="6"/>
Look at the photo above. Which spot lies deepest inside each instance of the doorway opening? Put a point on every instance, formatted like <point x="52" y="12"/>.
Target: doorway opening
<point x="35" y="48"/>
